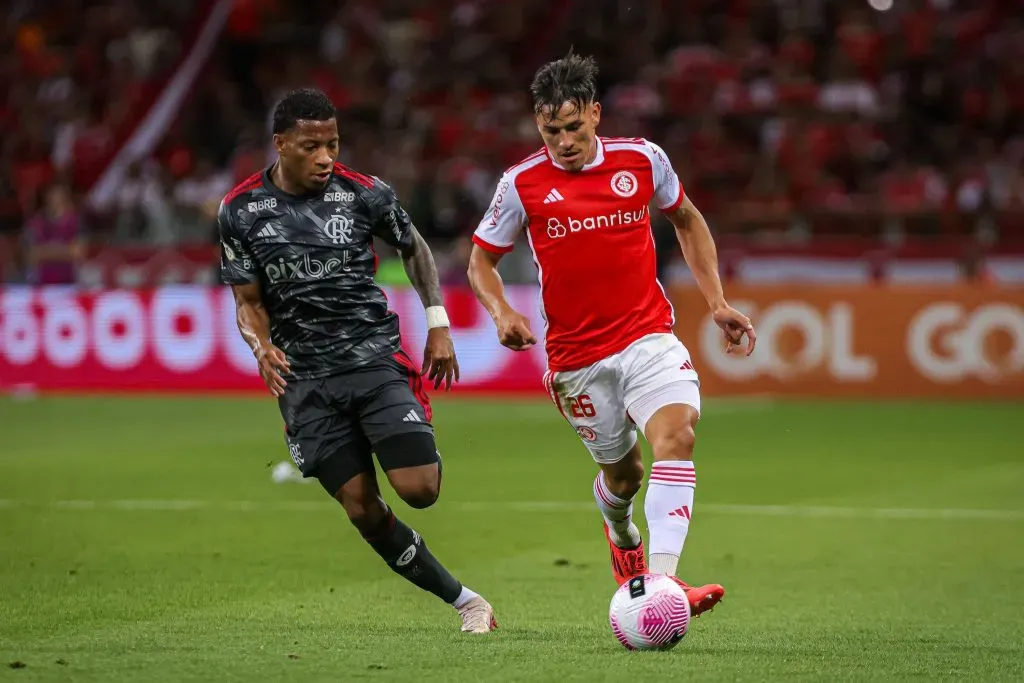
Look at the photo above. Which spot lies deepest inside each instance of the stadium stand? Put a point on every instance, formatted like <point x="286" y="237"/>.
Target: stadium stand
<point x="824" y="140"/>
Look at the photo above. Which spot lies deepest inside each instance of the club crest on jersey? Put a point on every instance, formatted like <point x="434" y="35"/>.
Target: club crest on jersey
<point x="624" y="184"/>
<point x="338" y="229"/>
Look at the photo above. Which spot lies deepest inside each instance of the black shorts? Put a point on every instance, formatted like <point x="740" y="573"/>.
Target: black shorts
<point x="332" y="424"/>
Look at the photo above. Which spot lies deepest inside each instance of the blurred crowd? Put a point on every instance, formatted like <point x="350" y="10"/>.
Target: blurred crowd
<point x="785" y="118"/>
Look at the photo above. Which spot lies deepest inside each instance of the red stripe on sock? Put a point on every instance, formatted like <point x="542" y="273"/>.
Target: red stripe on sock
<point x="657" y="475"/>
<point x="674" y="477"/>
<point x="599" y="488"/>
<point x="662" y="477"/>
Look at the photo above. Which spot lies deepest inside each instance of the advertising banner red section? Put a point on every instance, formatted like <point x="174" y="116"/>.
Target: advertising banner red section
<point x="185" y="339"/>
<point x="953" y="342"/>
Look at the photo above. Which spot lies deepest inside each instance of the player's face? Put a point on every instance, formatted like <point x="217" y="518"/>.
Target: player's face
<point x="308" y="152"/>
<point x="570" y="134"/>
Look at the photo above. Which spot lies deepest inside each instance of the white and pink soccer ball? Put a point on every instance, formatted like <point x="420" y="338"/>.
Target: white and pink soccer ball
<point x="649" y="612"/>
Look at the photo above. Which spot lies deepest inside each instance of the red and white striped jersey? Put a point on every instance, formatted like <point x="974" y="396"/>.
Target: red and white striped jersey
<point x="590" y="233"/>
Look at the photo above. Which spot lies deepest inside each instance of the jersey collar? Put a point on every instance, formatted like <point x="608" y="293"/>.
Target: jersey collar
<point x="269" y="186"/>
<point x="598" y="158"/>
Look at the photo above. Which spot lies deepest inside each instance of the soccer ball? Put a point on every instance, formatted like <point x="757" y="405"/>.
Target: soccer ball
<point x="649" y="612"/>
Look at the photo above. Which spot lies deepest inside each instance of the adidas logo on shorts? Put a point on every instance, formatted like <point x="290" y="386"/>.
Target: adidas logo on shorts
<point x="411" y="417"/>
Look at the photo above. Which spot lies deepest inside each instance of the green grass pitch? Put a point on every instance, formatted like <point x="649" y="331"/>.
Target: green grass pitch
<point x="142" y="539"/>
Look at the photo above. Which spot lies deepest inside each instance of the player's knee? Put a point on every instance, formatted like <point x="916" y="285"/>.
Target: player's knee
<point x="360" y="497"/>
<point x="418" y="486"/>
<point x="676" y="444"/>
<point x="422" y="495"/>
<point x="413" y="466"/>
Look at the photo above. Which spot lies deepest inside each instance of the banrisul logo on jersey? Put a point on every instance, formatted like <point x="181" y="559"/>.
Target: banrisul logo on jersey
<point x="558" y="227"/>
<point x="306" y="268"/>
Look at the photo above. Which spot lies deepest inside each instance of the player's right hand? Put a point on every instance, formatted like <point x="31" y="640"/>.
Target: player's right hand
<point x="272" y="363"/>
<point x="735" y="326"/>
<point x="514" y="331"/>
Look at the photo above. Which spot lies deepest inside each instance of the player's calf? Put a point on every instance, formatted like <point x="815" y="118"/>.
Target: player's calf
<point x="625" y="477"/>
<point x="366" y="516"/>
<point x="672" y="483"/>
<point x="614" y="489"/>
<point x="406" y="553"/>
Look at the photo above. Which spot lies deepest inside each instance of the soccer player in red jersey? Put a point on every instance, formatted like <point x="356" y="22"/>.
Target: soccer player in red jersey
<point x="614" y="364"/>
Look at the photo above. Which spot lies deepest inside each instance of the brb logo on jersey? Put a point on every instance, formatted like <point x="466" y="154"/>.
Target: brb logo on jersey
<point x="338" y="229"/>
<point x="556" y="228"/>
<point x="624" y="184"/>
<point x="262" y="205"/>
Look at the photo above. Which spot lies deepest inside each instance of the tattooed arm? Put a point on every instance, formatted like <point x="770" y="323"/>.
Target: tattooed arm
<point x="421" y="269"/>
<point x="439" y="355"/>
<point x="392" y="224"/>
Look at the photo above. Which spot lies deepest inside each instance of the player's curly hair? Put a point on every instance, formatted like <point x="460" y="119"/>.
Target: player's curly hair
<point x="572" y="78"/>
<point x="305" y="104"/>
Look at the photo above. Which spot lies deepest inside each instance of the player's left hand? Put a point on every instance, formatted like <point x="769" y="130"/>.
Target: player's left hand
<point x="735" y="325"/>
<point x="439" y="361"/>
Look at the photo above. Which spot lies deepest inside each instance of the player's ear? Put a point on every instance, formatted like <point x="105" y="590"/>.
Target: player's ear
<point x="279" y="142"/>
<point x="595" y="113"/>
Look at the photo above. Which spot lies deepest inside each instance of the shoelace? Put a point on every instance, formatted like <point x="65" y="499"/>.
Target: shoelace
<point x="634" y="562"/>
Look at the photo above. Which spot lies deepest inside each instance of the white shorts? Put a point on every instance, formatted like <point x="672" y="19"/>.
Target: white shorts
<point x="606" y="402"/>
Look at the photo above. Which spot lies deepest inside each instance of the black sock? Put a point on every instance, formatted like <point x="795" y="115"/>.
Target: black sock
<point x="405" y="552"/>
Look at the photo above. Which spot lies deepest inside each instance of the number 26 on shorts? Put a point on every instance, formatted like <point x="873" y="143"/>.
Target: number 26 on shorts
<point x="581" y="406"/>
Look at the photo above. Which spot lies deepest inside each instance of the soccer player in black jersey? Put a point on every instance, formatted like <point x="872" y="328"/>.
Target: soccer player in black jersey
<point x="297" y="250"/>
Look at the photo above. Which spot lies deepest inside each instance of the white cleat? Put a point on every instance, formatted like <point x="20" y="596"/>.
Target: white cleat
<point x="478" y="616"/>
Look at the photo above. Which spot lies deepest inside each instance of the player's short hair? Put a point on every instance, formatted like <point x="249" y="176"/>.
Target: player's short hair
<point x="305" y="104"/>
<point x="572" y="78"/>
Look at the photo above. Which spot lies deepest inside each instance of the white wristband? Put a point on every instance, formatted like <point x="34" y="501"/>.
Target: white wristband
<point x="437" y="317"/>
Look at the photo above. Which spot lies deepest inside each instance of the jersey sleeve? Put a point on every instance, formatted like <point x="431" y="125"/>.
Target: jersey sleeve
<point x="668" y="190"/>
<point x="504" y="220"/>
<point x="237" y="265"/>
<point x="388" y="220"/>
